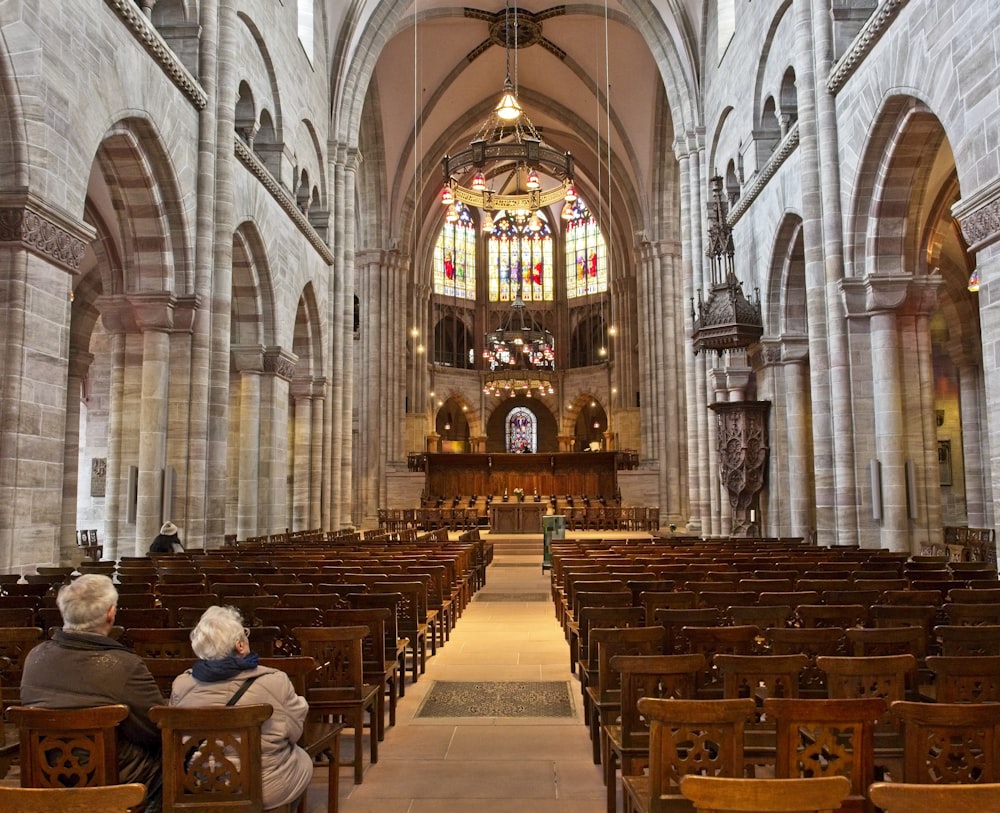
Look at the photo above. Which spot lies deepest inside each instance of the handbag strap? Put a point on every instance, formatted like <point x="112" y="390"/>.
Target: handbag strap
<point x="242" y="690"/>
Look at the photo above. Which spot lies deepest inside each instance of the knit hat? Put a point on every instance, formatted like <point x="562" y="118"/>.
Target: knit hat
<point x="168" y="529"/>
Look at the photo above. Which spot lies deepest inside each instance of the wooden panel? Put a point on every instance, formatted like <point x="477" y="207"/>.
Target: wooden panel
<point x="588" y="473"/>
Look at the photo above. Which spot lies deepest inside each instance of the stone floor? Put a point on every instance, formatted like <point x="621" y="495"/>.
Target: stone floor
<point x="510" y="763"/>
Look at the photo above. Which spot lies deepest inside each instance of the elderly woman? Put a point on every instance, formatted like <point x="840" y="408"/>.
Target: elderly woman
<point x="225" y="667"/>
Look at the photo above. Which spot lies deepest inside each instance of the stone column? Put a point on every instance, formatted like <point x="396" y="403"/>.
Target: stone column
<point x="116" y="316"/>
<point x="249" y="363"/>
<point x="979" y="215"/>
<point x="798" y="417"/>
<point x="884" y="295"/>
<point x="302" y="426"/>
<point x="316" y="453"/>
<point x="79" y="364"/>
<point x="824" y="453"/>
<point x="279" y="368"/>
<point x="154" y="317"/>
<point x="970" y="384"/>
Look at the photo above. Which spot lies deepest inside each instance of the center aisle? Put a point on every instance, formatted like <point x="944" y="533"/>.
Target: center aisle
<point x="501" y="764"/>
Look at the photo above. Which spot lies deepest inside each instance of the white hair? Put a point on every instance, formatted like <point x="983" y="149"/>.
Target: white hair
<point x="85" y="601"/>
<point x="217" y="633"/>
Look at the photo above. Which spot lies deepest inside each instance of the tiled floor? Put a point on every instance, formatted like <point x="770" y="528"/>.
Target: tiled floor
<point x="485" y="764"/>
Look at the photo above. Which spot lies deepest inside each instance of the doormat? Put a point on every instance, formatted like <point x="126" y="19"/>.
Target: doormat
<point x="512" y="597"/>
<point x="497" y="699"/>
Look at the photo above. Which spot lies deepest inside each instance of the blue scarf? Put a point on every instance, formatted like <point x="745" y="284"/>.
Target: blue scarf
<point x="224" y="668"/>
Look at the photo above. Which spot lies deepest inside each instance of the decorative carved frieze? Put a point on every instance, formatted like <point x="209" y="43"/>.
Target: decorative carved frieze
<point x="43" y="231"/>
<point x="287" y="203"/>
<point x="979" y="216"/>
<point x="143" y="30"/>
<point x="870" y="34"/>
<point x="280" y="362"/>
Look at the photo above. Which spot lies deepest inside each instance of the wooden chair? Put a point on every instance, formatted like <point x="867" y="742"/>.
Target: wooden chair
<point x="211" y="757"/>
<point x="395" y="645"/>
<point x="969" y="614"/>
<point x="68" y="747"/>
<point x="108" y="799"/>
<point x="675" y="621"/>
<point x="172" y="603"/>
<point x="338" y="688"/>
<point x="827" y="738"/>
<point x="318" y="738"/>
<point x="625" y="744"/>
<point x="686" y="736"/>
<point x="765" y="617"/>
<point x="653" y="600"/>
<point x="711" y="641"/>
<point x="143" y="617"/>
<point x="602" y="696"/>
<point x="164" y="670"/>
<point x="977" y="640"/>
<point x="832" y="615"/>
<point x="758" y="677"/>
<point x="950" y="743"/>
<point x="900" y="797"/>
<point x="15" y="644"/>
<point x="592" y="618"/>
<point x="380" y="667"/>
<point x="287" y="620"/>
<point x="714" y="794"/>
<point x="868" y="641"/>
<point x="160" y="642"/>
<point x="411" y="620"/>
<point x="882" y="676"/>
<point x="965" y="678"/>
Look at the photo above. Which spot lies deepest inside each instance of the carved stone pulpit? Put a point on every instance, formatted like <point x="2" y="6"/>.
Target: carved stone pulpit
<point x="742" y="447"/>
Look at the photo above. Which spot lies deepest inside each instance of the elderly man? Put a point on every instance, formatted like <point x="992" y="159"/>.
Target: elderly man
<point x="81" y="667"/>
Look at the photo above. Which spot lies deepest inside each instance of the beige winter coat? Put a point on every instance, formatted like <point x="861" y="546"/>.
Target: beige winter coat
<point x="286" y="768"/>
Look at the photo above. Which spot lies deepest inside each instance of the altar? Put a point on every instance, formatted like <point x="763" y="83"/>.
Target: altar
<point x="517" y="517"/>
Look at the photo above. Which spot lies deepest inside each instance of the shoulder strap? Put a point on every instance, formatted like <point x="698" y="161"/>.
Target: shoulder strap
<point x="242" y="690"/>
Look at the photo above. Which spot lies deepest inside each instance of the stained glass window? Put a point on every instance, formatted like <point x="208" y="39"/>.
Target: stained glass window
<point x="586" y="254"/>
<point x="522" y="430"/>
<point x="520" y="253"/>
<point x="455" y="258"/>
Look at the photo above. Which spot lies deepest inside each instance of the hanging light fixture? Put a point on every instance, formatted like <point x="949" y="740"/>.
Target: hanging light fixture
<point x="507" y="143"/>
<point x="520" y="358"/>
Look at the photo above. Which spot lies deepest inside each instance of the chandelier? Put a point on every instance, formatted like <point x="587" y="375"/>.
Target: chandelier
<point x="520" y="358"/>
<point x="533" y="174"/>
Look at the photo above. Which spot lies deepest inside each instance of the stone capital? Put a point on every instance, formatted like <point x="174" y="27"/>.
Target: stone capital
<point x="280" y="362"/>
<point x="247" y="358"/>
<point x="79" y="362"/>
<point x="153" y="311"/>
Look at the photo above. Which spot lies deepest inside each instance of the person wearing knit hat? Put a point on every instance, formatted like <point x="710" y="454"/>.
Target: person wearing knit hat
<point x="167" y="540"/>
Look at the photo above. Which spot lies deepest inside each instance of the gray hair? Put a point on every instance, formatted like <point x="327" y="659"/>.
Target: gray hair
<point x="217" y="633"/>
<point x="85" y="601"/>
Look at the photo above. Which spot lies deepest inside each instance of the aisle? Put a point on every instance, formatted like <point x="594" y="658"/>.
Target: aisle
<point x="498" y="764"/>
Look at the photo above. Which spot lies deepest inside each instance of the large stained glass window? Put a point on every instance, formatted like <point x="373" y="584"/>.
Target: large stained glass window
<point x="522" y="431"/>
<point x="455" y="258"/>
<point x="586" y="254"/>
<point x="520" y="256"/>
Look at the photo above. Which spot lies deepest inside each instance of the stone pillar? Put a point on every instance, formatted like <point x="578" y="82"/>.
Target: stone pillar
<point x="279" y="368"/>
<point x="798" y="472"/>
<point x="979" y="216"/>
<point x="885" y="294"/>
<point x="970" y="383"/>
<point x="316" y="453"/>
<point x="154" y="317"/>
<point x="79" y="364"/>
<point x="249" y="363"/>
<point x="302" y="426"/>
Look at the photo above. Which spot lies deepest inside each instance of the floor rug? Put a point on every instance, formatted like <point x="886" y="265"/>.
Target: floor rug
<point x="497" y="699"/>
<point x="512" y="597"/>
